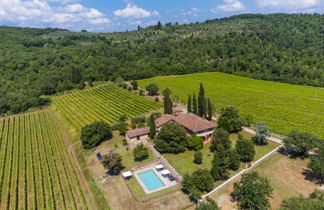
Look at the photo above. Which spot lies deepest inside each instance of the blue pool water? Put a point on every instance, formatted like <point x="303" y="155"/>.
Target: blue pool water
<point x="151" y="180"/>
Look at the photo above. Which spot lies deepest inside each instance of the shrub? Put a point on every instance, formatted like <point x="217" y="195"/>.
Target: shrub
<point x="157" y="99"/>
<point x="198" y="157"/>
<point x="134" y="84"/>
<point x="207" y="206"/>
<point x="140" y="153"/>
<point x="92" y="135"/>
<point x="152" y="89"/>
<point x="194" y="142"/>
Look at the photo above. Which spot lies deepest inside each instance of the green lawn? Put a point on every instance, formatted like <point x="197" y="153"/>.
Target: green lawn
<point x="139" y="193"/>
<point x="183" y="162"/>
<point x="283" y="107"/>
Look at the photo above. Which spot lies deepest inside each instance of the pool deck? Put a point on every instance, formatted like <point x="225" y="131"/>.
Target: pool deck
<point x="165" y="180"/>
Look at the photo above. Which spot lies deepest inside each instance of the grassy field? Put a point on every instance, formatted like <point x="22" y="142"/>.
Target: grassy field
<point x="286" y="178"/>
<point x="183" y="162"/>
<point x="283" y="107"/>
<point x="105" y="102"/>
<point x="35" y="168"/>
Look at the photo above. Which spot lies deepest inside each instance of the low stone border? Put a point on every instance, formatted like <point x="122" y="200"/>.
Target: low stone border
<point x="238" y="174"/>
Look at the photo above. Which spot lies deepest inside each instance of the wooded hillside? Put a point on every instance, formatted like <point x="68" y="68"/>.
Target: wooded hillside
<point x="279" y="47"/>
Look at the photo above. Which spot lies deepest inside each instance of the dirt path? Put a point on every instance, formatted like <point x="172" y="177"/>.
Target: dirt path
<point x="88" y="195"/>
<point x="85" y="185"/>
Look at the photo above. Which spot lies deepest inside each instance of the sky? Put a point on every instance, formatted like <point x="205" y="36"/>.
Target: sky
<point x="121" y="15"/>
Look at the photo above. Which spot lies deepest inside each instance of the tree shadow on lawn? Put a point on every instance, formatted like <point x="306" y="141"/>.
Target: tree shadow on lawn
<point x="310" y="176"/>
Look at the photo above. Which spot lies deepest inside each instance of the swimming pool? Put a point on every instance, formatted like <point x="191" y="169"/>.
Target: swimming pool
<point x="150" y="180"/>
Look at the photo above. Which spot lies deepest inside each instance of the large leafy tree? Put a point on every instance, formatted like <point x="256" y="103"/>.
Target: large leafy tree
<point x="171" y="138"/>
<point x="230" y="119"/>
<point x="252" y="192"/>
<point x="220" y="136"/>
<point x="245" y="149"/>
<point x="317" y="163"/>
<point x="300" y="143"/>
<point x="315" y="201"/>
<point x="95" y="133"/>
<point x="113" y="162"/>
<point x="262" y="133"/>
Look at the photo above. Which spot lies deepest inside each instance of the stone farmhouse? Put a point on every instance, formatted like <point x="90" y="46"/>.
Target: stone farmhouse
<point x="193" y="124"/>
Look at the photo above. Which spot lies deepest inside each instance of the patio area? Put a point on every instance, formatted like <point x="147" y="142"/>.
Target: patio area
<point x="154" y="178"/>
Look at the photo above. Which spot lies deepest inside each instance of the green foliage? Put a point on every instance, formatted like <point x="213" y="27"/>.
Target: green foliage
<point x="220" y="136"/>
<point x="283" y="102"/>
<point x="200" y="181"/>
<point x="152" y="89"/>
<point x="314" y="202"/>
<point x="167" y="104"/>
<point x="245" y="149"/>
<point x="171" y="138"/>
<point x="220" y="164"/>
<point x="140" y="153"/>
<point x="152" y="126"/>
<point x="138" y="122"/>
<point x="134" y="84"/>
<point x="201" y="101"/>
<point x="166" y="91"/>
<point x="210" y="110"/>
<point x="194" y="104"/>
<point x="113" y="162"/>
<point x="95" y="133"/>
<point x="198" y="157"/>
<point x="234" y="160"/>
<point x="207" y="206"/>
<point x="262" y="133"/>
<point x="300" y="143"/>
<point x="252" y="192"/>
<point x="230" y="119"/>
<point x="248" y="120"/>
<point x="316" y="164"/>
<point x="189" y="108"/>
<point x="291" y="53"/>
<point x="195" y="142"/>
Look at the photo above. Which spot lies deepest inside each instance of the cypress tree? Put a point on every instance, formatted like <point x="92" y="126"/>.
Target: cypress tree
<point x="167" y="104"/>
<point x="189" y="105"/>
<point x="194" y="104"/>
<point x="152" y="127"/>
<point x="210" y="111"/>
<point x="215" y="167"/>
<point x="201" y="102"/>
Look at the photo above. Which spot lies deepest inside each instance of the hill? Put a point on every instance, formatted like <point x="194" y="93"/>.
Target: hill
<point x="283" y="107"/>
<point x="279" y="47"/>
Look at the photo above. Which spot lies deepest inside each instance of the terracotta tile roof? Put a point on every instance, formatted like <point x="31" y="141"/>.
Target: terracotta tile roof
<point x="138" y="132"/>
<point x="194" y="123"/>
<point x="164" y="119"/>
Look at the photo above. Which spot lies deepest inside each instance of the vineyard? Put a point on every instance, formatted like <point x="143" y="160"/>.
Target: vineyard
<point x="104" y="103"/>
<point x="283" y="107"/>
<point x="35" y="168"/>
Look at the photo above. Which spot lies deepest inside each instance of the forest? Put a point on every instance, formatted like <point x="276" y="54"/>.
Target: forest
<point x="278" y="47"/>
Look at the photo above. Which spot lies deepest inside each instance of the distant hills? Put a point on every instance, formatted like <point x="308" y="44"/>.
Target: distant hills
<point x="279" y="47"/>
